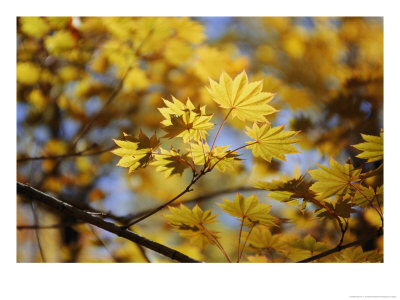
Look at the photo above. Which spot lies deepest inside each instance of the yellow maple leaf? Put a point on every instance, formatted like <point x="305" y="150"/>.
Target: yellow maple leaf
<point x="372" y="148"/>
<point x="135" y="152"/>
<point x="249" y="209"/>
<point x="190" y="224"/>
<point x="171" y="162"/>
<point x="185" y="120"/>
<point x="308" y="243"/>
<point x="246" y="100"/>
<point x="365" y="195"/>
<point x="261" y="238"/>
<point x="271" y="142"/>
<point x="336" y="180"/>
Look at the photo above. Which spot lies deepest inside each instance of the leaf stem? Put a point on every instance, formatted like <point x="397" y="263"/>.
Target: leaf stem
<point x="202" y="146"/>
<point x="231" y="151"/>
<point x="177" y="158"/>
<point x="220" y="127"/>
<point x="186" y="190"/>
<point x="191" y="150"/>
<point x="217" y="243"/>
<point x="245" y="242"/>
<point x="240" y="235"/>
<point x="370" y="201"/>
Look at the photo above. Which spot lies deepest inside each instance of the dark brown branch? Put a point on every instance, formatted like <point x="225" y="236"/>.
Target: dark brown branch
<point x="68" y="209"/>
<point x="340" y="248"/>
<point x="125" y="219"/>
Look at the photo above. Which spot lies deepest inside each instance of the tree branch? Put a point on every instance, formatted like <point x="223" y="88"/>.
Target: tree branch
<point x="73" y="154"/>
<point x="68" y="209"/>
<point x="340" y="248"/>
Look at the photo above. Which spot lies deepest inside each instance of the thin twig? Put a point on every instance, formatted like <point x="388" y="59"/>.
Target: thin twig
<point x="220" y="127"/>
<point x="217" y="243"/>
<point x="36" y="222"/>
<point x="370" y="201"/>
<point x="245" y="242"/>
<point x="86" y="127"/>
<point x="67" y="209"/>
<point x="102" y="242"/>
<point x="340" y="248"/>
<point x="231" y="151"/>
<point x="74" y="154"/>
<point x="202" y="146"/>
<point x="240" y="235"/>
<point x="186" y="190"/>
<point x="143" y="252"/>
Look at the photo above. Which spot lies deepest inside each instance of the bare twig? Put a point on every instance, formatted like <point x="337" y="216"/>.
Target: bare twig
<point x="68" y="209"/>
<point x="74" y="154"/>
<point x="245" y="242"/>
<point x="36" y="222"/>
<point x="186" y="190"/>
<point x="102" y="242"/>
<point x="193" y="200"/>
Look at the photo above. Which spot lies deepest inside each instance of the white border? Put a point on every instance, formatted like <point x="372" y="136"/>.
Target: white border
<point x="206" y="281"/>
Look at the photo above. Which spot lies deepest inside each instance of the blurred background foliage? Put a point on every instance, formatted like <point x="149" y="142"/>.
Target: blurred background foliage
<point x="82" y="81"/>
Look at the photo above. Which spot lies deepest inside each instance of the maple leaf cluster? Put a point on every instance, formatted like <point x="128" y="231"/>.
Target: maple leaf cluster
<point x="245" y="101"/>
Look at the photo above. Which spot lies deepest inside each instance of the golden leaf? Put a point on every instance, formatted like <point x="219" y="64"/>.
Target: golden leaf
<point x="246" y="100"/>
<point x="335" y="180"/>
<point x="185" y="121"/>
<point x="252" y="211"/>
<point x="190" y="224"/>
<point x="372" y="148"/>
<point x="171" y="162"/>
<point x="136" y="152"/>
<point x="271" y="142"/>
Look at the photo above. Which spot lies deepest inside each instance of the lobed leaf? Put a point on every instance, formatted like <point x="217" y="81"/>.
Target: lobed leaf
<point x="185" y="120"/>
<point x="250" y="209"/>
<point x="135" y="152"/>
<point x="271" y="142"/>
<point x="335" y="180"/>
<point x="372" y="148"/>
<point x="171" y="162"/>
<point x="246" y="100"/>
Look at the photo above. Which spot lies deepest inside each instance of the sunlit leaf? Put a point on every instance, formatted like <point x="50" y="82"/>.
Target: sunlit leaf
<point x="185" y="120"/>
<point x="246" y="100"/>
<point x="308" y="243"/>
<point x="271" y="142"/>
<point x="191" y="224"/>
<point x="250" y="209"/>
<point x="372" y="148"/>
<point x="288" y="190"/>
<point x="335" y="180"/>
<point x="171" y="162"/>
<point x="136" y="152"/>
<point x="261" y="238"/>
<point x="365" y="195"/>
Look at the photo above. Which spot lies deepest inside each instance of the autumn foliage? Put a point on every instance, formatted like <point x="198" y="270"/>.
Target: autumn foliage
<point x="261" y="147"/>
